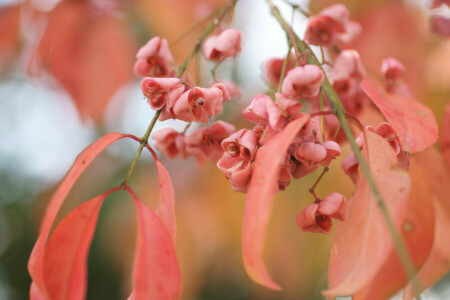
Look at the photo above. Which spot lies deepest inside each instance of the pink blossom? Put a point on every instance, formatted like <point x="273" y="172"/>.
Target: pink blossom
<point x="205" y="143"/>
<point x="199" y="104"/>
<point x="272" y="69"/>
<point x="237" y="170"/>
<point x="241" y="144"/>
<point x="170" y="142"/>
<point x="316" y="217"/>
<point x="161" y="91"/>
<point x="302" y="82"/>
<point x="226" y="44"/>
<point x="154" y="59"/>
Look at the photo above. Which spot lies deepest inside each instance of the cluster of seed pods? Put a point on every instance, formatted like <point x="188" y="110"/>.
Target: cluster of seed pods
<point x="234" y="151"/>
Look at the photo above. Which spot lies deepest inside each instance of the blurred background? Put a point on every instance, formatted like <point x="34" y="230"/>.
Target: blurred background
<point x="66" y="79"/>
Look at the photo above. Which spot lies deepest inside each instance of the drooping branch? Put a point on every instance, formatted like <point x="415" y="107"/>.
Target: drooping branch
<point x="339" y="111"/>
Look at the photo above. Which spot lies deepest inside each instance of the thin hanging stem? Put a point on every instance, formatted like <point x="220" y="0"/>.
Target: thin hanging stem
<point x="312" y="190"/>
<point x="322" y="120"/>
<point x="283" y="68"/>
<point x="220" y="13"/>
<point x="338" y="109"/>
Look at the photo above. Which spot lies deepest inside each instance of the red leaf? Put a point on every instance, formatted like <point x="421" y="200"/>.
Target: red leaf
<point x="84" y="159"/>
<point x="413" y="122"/>
<point x="363" y="243"/>
<point x="418" y="233"/>
<point x="91" y="53"/>
<point x="438" y="263"/>
<point x="156" y="272"/>
<point x="65" y="270"/>
<point x="259" y="201"/>
<point x="445" y="135"/>
<point x="166" y="201"/>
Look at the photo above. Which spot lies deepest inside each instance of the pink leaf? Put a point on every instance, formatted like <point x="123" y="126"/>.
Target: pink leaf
<point x="413" y="122"/>
<point x="418" y="233"/>
<point x="259" y="201"/>
<point x="166" y="202"/>
<point x="156" y="273"/>
<point x="65" y="270"/>
<point x="84" y="159"/>
<point x="445" y="135"/>
<point x="438" y="262"/>
<point x="363" y="243"/>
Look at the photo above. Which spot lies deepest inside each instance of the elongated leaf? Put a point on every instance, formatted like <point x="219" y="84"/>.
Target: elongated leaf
<point x="65" y="266"/>
<point x="166" y="199"/>
<point x="156" y="273"/>
<point x="413" y="122"/>
<point x="84" y="159"/>
<point x="258" y="205"/>
<point x="438" y="263"/>
<point x="362" y="243"/>
<point x="418" y="233"/>
<point x="445" y="136"/>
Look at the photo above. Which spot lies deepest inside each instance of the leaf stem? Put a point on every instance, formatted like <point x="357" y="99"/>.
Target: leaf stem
<point x="220" y="13"/>
<point x="339" y="111"/>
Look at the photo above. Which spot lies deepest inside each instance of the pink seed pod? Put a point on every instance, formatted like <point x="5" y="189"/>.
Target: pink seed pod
<point x="350" y="166"/>
<point x="385" y="130"/>
<point x="440" y="25"/>
<point x="310" y="220"/>
<point x="199" y="104"/>
<point x="237" y="170"/>
<point x="333" y="205"/>
<point x="154" y="59"/>
<point x="316" y="217"/>
<point x="391" y="68"/>
<point x="241" y="144"/>
<point x="226" y="44"/>
<point x="302" y="82"/>
<point x="161" y="91"/>
<point x="324" y="29"/>
<point x="256" y="112"/>
<point x="272" y="69"/>
<point x="333" y="150"/>
<point x="166" y="142"/>
<point x="309" y="153"/>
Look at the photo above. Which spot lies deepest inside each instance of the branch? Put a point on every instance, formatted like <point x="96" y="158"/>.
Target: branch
<point x="339" y="111"/>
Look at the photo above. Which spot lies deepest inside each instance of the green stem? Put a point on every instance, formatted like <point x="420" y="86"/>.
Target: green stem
<point x="338" y="109"/>
<point x="322" y="119"/>
<point x="283" y="69"/>
<point x="144" y="140"/>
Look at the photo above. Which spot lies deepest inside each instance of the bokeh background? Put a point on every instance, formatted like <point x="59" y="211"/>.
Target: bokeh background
<point x="66" y="79"/>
